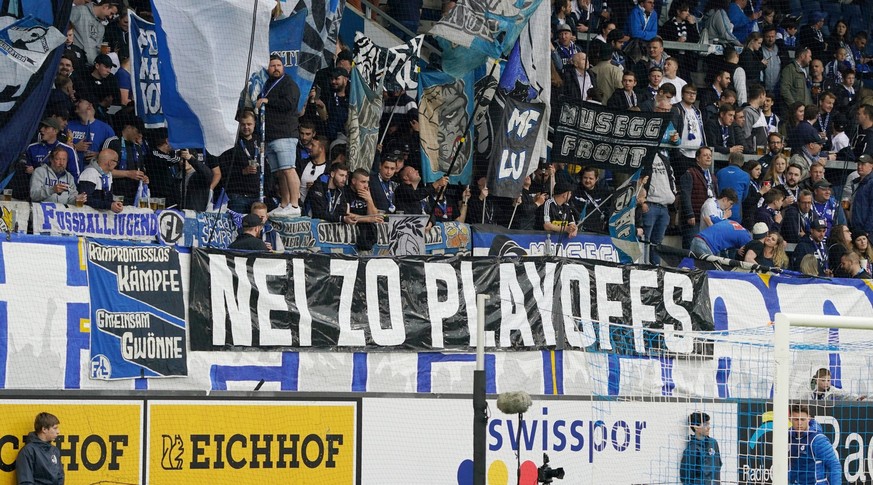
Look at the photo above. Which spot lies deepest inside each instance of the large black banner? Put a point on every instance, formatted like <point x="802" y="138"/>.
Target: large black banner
<point x="622" y="141"/>
<point x="420" y="303"/>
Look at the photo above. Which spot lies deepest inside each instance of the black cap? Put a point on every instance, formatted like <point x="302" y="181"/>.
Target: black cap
<point x="337" y="72"/>
<point x="345" y="55"/>
<point x="104" y="60"/>
<point x="563" y="186"/>
<point x="51" y="123"/>
<point x="251" y="220"/>
<point x="820" y="224"/>
<point x="393" y="155"/>
<point x="615" y="35"/>
<point x="821" y="184"/>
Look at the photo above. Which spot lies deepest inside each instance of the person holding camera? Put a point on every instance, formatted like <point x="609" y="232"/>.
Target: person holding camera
<point x="239" y="167"/>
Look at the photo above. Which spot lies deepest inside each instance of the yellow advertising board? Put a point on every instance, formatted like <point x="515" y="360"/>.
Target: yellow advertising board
<point x="100" y="441"/>
<point x="236" y="442"/>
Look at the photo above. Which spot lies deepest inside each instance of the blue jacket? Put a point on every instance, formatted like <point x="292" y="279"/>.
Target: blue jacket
<point x="862" y="206"/>
<point x="639" y="28"/>
<point x="701" y="462"/>
<point x="811" y="458"/>
<point x="742" y="24"/>
<point x="733" y="177"/>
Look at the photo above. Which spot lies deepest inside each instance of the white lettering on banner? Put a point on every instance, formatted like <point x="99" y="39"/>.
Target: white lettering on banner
<point x="133" y="223"/>
<point x="640" y="312"/>
<point x="348" y="271"/>
<point x="440" y="310"/>
<point x="225" y="304"/>
<point x="543" y="298"/>
<point x="606" y="308"/>
<point x="511" y="164"/>
<point x="305" y="323"/>
<point x="575" y="286"/>
<point x="674" y="340"/>
<point x="129" y="254"/>
<point x="262" y="269"/>
<point x="395" y="334"/>
<point x="618" y="155"/>
<point x="513" y="313"/>
<point x="131" y="279"/>
<point x="136" y="320"/>
<point x="150" y="347"/>
<point x="522" y="123"/>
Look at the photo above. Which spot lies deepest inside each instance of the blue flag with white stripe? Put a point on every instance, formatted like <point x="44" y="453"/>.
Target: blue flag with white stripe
<point x="24" y="91"/>
<point x="622" y="225"/>
<point x="146" y="76"/>
<point x="206" y="51"/>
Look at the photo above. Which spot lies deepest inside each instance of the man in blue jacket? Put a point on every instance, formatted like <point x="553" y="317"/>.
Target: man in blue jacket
<point x="811" y="458"/>
<point x="701" y="460"/>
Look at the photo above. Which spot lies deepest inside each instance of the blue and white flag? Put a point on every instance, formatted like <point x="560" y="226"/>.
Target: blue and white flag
<point x="622" y="225"/>
<point x="29" y="42"/>
<point x="145" y="73"/>
<point x="205" y="51"/>
<point x="24" y="91"/>
<point x="474" y="30"/>
<point x="365" y="111"/>
<point x="446" y="104"/>
<point x="286" y="37"/>
<point x="137" y="311"/>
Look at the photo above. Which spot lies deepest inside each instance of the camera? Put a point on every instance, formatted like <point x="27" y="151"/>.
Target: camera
<point x="545" y="473"/>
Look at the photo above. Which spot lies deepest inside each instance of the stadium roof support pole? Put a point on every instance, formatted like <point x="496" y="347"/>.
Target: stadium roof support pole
<point x="782" y="355"/>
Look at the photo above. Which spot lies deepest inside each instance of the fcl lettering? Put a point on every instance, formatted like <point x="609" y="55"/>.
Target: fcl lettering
<point x="519" y="126"/>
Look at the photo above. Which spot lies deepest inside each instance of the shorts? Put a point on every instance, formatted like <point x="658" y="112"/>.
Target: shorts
<point x="282" y="154"/>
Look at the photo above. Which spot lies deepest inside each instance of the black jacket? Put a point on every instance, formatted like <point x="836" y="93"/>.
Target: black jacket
<point x="716" y="140"/>
<point x="281" y="109"/>
<point x="327" y="204"/>
<point x="39" y="462"/>
<point x="194" y="194"/>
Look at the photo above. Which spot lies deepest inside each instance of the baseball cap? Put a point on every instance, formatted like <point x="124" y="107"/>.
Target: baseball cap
<point x="816" y="17"/>
<point x="51" y="123"/>
<point x="105" y="2"/>
<point x="563" y="186"/>
<point x="821" y="184"/>
<point x="865" y="159"/>
<point x="818" y="224"/>
<point x="104" y="60"/>
<point x="251" y="220"/>
<point x="393" y="155"/>
<point x="564" y="28"/>
<point x="337" y="72"/>
<point x="811" y="137"/>
<point x="759" y="230"/>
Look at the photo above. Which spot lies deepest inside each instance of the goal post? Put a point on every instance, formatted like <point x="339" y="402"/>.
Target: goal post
<point x="781" y="386"/>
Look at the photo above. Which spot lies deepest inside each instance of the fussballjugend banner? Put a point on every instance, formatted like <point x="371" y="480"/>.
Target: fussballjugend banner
<point x="137" y="311"/>
<point x="622" y="141"/>
<point x="317" y="301"/>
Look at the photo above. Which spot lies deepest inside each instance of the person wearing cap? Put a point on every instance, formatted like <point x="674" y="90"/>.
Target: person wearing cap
<point x="384" y="188"/>
<point x="810" y="150"/>
<point x="99" y="85"/>
<point x="130" y="171"/>
<point x="766" y="248"/>
<point x="51" y="182"/>
<point x="38" y="154"/>
<point x="321" y="83"/>
<point x="250" y="237"/>
<point x="701" y="460"/>
<point x="564" y="47"/>
<point x="793" y="84"/>
<point x="396" y="104"/>
<point x="862" y="201"/>
<point x="88" y="20"/>
<point x="96" y="182"/>
<point x="824" y="206"/>
<point x="279" y="98"/>
<point x="813" y="243"/>
<point x="558" y="215"/>
<point x="811" y="35"/>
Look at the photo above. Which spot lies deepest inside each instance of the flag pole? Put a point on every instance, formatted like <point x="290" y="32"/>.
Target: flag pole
<point x="462" y="140"/>
<point x="263" y="119"/>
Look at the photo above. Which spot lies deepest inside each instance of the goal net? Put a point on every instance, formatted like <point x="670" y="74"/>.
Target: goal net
<point x="709" y="415"/>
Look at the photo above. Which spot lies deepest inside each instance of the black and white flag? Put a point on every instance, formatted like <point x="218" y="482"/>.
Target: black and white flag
<point x="514" y="143"/>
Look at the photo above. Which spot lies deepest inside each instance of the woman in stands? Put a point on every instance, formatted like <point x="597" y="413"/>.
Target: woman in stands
<point x="776" y="173"/>
<point x="752" y="59"/>
<point x="790" y="122"/>
<point x="773" y="252"/>
<point x="840" y="38"/>
<point x="839" y="243"/>
<point x="755" y="193"/>
<point x="861" y="245"/>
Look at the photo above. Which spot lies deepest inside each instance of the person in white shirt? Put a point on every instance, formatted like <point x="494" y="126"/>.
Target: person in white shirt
<point x="715" y="210"/>
<point x="671" y="69"/>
